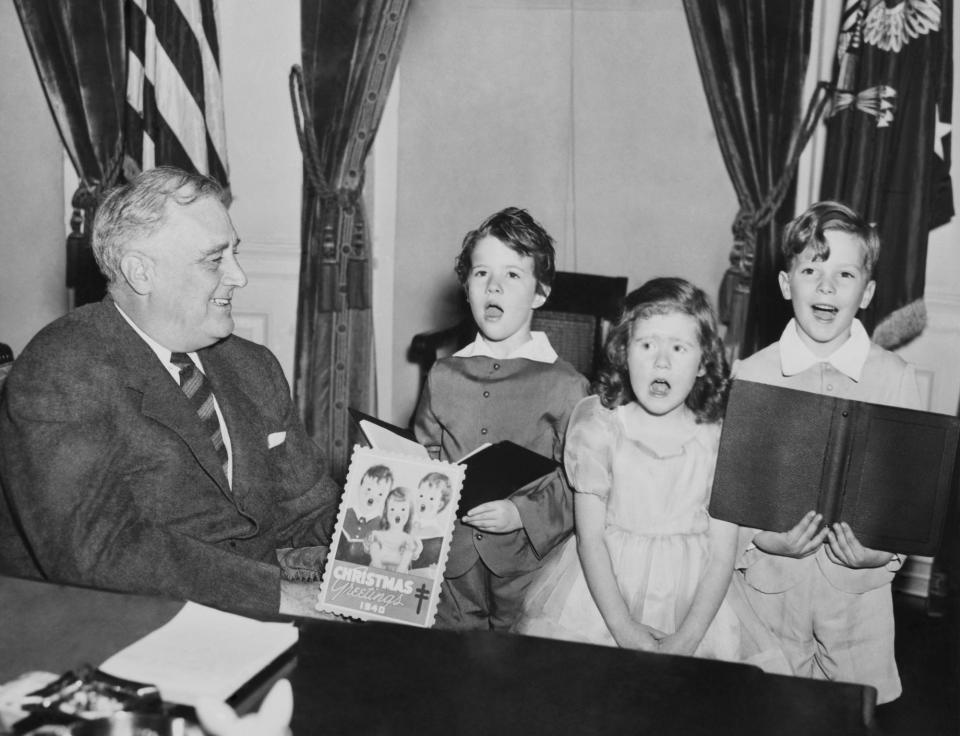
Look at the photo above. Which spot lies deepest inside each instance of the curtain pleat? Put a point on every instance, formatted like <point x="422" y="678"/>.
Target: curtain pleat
<point x="78" y="49"/>
<point x="752" y="58"/>
<point x="349" y="54"/>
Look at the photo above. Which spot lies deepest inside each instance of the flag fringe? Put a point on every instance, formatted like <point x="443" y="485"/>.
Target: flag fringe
<point x="901" y="326"/>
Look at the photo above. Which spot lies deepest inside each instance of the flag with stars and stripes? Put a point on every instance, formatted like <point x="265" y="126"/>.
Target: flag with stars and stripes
<point x="174" y="109"/>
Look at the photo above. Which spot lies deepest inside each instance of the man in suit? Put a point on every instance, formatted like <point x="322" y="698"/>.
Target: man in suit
<point x="118" y="477"/>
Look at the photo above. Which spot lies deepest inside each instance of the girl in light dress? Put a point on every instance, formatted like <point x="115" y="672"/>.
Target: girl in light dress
<point x="647" y="568"/>
<point x="393" y="546"/>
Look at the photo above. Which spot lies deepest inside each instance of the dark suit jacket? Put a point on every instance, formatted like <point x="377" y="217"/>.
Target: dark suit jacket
<point x="110" y="480"/>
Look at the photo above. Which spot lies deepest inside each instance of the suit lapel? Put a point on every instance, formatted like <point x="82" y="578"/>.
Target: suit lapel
<point x="162" y="400"/>
<point x="165" y="403"/>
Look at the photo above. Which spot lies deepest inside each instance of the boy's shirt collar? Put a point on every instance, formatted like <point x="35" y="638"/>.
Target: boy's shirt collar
<point x="849" y="358"/>
<point x="537" y="348"/>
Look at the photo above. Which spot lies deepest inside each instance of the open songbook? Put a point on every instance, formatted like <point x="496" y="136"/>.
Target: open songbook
<point x="493" y="471"/>
<point x="884" y="470"/>
<point x="382" y="435"/>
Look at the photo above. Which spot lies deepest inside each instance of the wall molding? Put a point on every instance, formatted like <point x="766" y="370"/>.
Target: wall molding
<point x="936" y="355"/>
<point x="265" y="258"/>
<point x="253" y="326"/>
<point x="265" y="310"/>
<point x="914" y="577"/>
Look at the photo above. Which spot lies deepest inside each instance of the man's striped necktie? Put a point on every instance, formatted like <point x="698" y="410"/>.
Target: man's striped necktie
<point x="200" y="394"/>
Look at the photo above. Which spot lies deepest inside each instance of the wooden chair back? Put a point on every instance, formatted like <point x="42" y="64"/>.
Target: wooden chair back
<point x="575" y="317"/>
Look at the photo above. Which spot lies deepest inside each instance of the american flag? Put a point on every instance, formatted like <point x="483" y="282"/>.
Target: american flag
<point x="174" y="94"/>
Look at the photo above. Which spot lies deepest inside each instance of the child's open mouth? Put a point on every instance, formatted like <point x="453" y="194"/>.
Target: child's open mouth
<point x="492" y="311"/>
<point x="824" y="311"/>
<point x="659" y="387"/>
<point x="396" y="519"/>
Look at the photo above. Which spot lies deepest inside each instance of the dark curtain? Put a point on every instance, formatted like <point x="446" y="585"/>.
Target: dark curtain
<point x="885" y="156"/>
<point x="78" y="49"/>
<point x="349" y="53"/>
<point x="752" y="58"/>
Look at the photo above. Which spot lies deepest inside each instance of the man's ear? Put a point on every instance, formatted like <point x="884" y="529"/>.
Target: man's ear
<point x="784" y="279"/>
<point x="543" y="291"/>
<point x="137" y="270"/>
<point x="868" y="294"/>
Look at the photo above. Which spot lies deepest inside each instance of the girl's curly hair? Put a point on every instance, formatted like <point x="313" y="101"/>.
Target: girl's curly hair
<point x="708" y="398"/>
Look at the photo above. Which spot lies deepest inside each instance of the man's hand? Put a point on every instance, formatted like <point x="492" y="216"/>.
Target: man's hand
<point x="273" y="718"/>
<point x="302" y="564"/>
<point x="494" y="516"/>
<point x="800" y="541"/>
<point x="844" y="548"/>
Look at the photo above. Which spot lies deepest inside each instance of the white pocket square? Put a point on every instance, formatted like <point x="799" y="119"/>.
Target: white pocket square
<point x="276" y="438"/>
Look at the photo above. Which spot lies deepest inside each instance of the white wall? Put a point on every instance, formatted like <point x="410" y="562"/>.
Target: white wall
<point x="32" y="235"/>
<point x="530" y="103"/>
<point x="260" y="41"/>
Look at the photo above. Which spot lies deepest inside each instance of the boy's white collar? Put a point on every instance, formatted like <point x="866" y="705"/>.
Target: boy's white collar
<point x="849" y="358"/>
<point x="537" y="348"/>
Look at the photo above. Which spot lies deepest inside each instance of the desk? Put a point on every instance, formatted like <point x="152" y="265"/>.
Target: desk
<point x="369" y="678"/>
<point x="387" y="679"/>
<point x="58" y="628"/>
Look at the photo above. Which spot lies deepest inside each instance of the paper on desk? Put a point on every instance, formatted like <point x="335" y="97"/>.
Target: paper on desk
<point x="202" y="652"/>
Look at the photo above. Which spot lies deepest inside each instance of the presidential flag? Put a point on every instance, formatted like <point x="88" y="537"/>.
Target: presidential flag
<point x="887" y="151"/>
<point x="174" y="109"/>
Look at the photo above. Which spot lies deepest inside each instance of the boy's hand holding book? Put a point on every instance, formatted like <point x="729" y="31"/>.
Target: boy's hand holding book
<point x="844" y="548"/>
<point x="802" y="540"/>
<point x="497" y="517"/>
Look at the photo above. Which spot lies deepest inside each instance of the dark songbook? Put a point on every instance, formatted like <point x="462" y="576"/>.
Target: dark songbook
<point x="498" y="470"/>
<point x="884" y="470"/>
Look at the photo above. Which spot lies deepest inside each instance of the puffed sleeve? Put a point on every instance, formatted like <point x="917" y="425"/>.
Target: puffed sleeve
<point x="589" y="446"/>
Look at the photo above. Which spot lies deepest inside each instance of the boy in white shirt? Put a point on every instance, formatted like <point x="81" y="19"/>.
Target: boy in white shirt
<point x="823" y="594"/>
